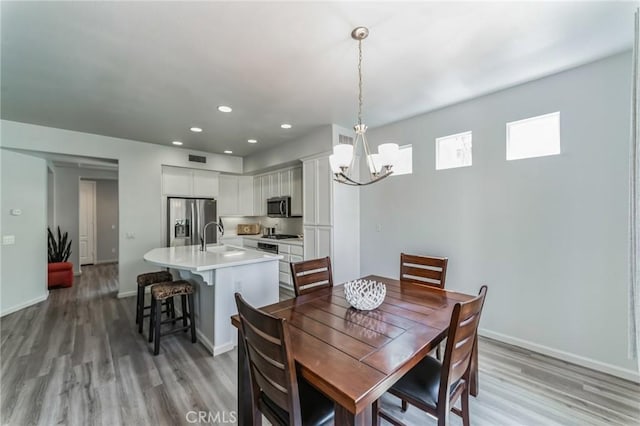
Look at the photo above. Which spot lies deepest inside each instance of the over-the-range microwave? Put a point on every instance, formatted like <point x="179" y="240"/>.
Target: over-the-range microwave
<point x="279" y="207"/>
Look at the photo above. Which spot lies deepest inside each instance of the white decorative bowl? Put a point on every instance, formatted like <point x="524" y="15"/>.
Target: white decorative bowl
<point x="365" y="294"/>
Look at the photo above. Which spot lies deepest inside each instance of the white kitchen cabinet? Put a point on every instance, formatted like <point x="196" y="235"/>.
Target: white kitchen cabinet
<point x="176" y="181"/>
<point x="205" y="183"/>
<point x="274" y="185"/>
<point x="309" y="192"/>
<point x="259" y="203"/>
<point x="317" y="192"/>
<point x="284" y="179"/>
<point x="317" y="241"/>
<point x="185" y="182"/>
<point x="296" y="191"/>
<point x="235" y="196"/>
<point x="265" y="185"/>
<point x="331" y="216"/>
<point x="227" y="195"/>
<point x="245" y="196"/>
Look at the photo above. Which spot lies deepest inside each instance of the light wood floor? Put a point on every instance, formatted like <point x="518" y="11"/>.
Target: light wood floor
<point x="78" y="359"/>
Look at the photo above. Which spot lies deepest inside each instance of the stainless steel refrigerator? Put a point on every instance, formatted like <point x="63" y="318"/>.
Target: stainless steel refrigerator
<point x="186" y="218"/>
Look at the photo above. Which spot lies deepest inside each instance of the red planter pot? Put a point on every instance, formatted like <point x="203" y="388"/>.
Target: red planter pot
<point x="60" y="274"/>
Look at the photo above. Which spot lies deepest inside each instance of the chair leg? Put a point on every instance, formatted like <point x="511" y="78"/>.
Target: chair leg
<point x="183" y="299"/>
<point x="438" y="353"/>
<point x="375" y="419"/>
<point x="404" y="406"/>
<point x="151" y="319"/>
<point x="157" y="326"/>
<point x="138" y="306"/>
<point x="464" y="401"/>
<point x="173" y="311"/>
<point x="191" y="319"/>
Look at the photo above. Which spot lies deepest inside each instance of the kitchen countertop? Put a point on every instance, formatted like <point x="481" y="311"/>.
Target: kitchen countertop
<point x="190" y="258"/>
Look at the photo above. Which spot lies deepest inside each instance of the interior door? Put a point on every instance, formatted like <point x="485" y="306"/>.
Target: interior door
<point x="87" y="222"/>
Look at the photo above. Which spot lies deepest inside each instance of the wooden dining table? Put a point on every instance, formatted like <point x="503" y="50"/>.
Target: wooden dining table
<point x="354" y="356"/>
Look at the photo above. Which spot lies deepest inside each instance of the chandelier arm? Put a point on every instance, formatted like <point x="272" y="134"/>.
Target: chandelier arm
<point x="344" y="179"/>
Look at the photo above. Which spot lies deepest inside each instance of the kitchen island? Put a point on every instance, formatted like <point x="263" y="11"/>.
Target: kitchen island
<point x="217" y="274"/>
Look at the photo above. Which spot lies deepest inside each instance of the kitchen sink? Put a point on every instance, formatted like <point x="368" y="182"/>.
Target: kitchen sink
<point x="225" y="249"/>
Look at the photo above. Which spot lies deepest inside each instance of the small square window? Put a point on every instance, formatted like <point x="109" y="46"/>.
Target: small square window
<point x="453" y="151"/>
<point x="534" y="137"/>
<point x="404" y="164"/>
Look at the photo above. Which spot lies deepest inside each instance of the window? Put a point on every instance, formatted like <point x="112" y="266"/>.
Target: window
<point x="534" y="137"/>
<point x="453" y="151"/>
<point x="404" y="165"/>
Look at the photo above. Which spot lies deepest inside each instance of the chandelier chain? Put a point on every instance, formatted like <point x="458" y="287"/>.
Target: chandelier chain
<point x="359" y="82"/>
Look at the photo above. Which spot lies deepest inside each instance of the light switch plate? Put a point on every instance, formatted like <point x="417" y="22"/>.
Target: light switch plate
<point x="8" y="240"/>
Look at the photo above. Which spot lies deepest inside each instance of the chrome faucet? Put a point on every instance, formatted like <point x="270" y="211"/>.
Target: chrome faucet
<point x="203" y="240"/>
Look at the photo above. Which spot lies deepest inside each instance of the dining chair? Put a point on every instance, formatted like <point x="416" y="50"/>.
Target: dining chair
<point x="426" y="270"/>
<point x="276" y="390"/>
<point x="311" y="275"/>
<point x="435" y="387"/>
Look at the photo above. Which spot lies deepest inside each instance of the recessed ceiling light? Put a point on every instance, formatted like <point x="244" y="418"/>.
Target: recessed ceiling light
<point x="224" y="108"/>
<point x="196" y="129"/>
<point x="228" y="152"/>
<point x="176" y="143"/>
<point x="252" y="140"/>
<point x="285" y="126"/>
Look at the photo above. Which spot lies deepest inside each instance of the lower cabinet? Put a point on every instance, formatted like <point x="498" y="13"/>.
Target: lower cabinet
<point x="290" y="254"/>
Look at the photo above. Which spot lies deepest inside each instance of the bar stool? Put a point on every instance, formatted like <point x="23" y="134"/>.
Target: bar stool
<point x="144" y="281"/>
<point x="167" y="291"/>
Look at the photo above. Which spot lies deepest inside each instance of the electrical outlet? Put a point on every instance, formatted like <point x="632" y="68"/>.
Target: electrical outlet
<point x="8" y="240"/>
<point x="113" y="250"/>
<point x="379" y="227"/>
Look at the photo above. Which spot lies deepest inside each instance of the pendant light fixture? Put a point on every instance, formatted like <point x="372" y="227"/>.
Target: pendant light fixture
<point x="344" y="154"/>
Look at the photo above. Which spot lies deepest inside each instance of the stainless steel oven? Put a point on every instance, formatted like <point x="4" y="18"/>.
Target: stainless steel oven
<point x="268" y="247"/>
<point x="279" y="207"/>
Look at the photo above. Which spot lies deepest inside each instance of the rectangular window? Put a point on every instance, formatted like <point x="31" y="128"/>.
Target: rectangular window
<point x="404" y="165"/>
<point x="453" y="151"/>
<point x="534" y="137"/>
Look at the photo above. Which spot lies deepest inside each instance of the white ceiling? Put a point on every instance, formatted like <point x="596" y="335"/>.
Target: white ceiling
<point x="150" y="70"/>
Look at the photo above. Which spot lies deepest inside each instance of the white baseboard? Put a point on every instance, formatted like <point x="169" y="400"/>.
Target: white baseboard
<point x="77" y="274"/>
<point x="25" y="304"/>
<point x="123" y="294"/>
<point x="102" y="262"/>
<point x="217" y="350"/>
<point x="603" y="367"/>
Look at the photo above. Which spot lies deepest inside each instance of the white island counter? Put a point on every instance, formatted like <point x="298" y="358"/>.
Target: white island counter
<point x="217" y="274"/>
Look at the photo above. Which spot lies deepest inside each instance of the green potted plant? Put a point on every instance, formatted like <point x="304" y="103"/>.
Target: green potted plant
<point x="59" y="271"/>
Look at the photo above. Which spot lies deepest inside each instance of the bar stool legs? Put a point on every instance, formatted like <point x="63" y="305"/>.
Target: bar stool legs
<point x="166" y="292"/>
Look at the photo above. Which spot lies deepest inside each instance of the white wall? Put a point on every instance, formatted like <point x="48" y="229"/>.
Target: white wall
<point x="548" y="235"/>
<point x="106" y="220"/>
<point x="139" y="174"/>
<point x="66" y="201"/>
<point x="23" y="265"/>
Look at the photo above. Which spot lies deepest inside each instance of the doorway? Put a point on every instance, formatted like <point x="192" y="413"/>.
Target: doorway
<point x="87" y="222"/>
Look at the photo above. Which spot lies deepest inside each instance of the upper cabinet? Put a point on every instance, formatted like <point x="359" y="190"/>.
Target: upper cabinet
<point x="317" y="190"/>
<point x="236" y="196"/>
<point x="184" y="182"/>
<point x="282" y="183"/>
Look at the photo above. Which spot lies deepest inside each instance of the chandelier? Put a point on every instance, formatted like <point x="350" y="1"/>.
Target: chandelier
<point x="344" y="154"/>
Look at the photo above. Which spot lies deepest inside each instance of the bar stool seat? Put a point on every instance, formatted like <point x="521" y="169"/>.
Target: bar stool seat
<point x="144" y="281"/>
<point x="164" y="292"/>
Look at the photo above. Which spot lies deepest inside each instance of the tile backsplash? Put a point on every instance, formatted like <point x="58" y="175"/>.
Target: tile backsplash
<point x="291" y="225"/>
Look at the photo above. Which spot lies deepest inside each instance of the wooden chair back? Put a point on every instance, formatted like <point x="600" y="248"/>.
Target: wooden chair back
<point x="426" y="270"/>
<point x="271" y="363"/>
<point x="311" y="275"/>
<point x="460" y="343"/>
